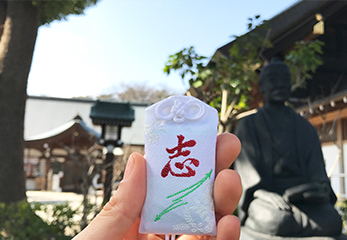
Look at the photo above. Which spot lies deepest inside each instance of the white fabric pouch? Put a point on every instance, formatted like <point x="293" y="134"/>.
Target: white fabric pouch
<point x="180" y="142"/>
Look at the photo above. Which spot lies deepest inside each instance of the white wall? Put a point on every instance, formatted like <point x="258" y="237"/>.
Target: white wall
<point x="44" y="114"/>
<point x="330" y="153"/>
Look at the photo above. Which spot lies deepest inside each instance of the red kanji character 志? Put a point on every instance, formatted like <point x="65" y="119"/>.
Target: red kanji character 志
<point x="176" y="152"/>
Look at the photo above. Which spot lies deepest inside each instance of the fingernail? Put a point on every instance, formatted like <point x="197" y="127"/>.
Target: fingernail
<point x="129" y="168"/>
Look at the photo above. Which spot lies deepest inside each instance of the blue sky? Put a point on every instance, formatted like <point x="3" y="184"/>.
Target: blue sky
<point x="121" y="42"/>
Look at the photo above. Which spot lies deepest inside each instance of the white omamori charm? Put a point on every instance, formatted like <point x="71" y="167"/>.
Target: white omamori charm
<point x="180" y="141"/>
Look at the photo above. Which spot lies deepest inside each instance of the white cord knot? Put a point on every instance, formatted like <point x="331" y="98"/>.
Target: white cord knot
<point x="179" y="111"/>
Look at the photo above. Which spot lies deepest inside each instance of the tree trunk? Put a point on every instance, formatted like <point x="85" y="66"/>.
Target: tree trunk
<point x="16" y="50"/>
<point x="3" y="8"/>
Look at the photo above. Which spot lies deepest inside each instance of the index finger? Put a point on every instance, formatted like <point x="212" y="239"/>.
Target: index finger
<point x="228" y="147"/>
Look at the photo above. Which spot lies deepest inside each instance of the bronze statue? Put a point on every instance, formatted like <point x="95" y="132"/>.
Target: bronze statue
<point x="286" y="191"/>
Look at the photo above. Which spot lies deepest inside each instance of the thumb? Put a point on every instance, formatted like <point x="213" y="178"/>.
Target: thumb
<point x="119" y="214"/>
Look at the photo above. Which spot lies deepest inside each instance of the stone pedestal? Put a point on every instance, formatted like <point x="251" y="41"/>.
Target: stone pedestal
<point x="247" y="234"/>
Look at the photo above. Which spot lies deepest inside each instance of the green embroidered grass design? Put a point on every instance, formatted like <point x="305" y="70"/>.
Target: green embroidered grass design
<point x="177" y="202"/>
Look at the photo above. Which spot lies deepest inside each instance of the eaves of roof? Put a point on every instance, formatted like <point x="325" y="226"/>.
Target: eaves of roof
<point x="74" y="132"/>
<point x="292" y="24"/>
<point x="83" y="100"/>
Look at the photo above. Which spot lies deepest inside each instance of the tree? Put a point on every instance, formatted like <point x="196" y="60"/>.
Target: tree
<point x="84" y="97"/>
<point x="140" y="93"/>
<point x="303" y="60"/>
<point x="226" y="83"/>
<point x="19" y="22"/>
<point x="86" y="160"/>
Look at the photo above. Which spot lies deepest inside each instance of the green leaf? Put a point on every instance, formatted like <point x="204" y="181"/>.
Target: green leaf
<point x="234" y="50"/>
<point x="197" y="83"/>
<point x="237" y="91"/>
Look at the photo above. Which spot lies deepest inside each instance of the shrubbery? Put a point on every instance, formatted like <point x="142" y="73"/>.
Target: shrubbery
<point x="341" y="206"/>
<point x="20" y="221"/>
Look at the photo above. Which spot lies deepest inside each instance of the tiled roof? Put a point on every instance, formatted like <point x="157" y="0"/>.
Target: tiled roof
<point x="296" y="19"/>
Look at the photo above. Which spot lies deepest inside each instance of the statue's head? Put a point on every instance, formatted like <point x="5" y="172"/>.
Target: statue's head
<point x="275" y="81"/>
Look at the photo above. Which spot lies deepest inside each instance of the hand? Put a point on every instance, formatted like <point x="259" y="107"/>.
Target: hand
<point x="119" y="219"/>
